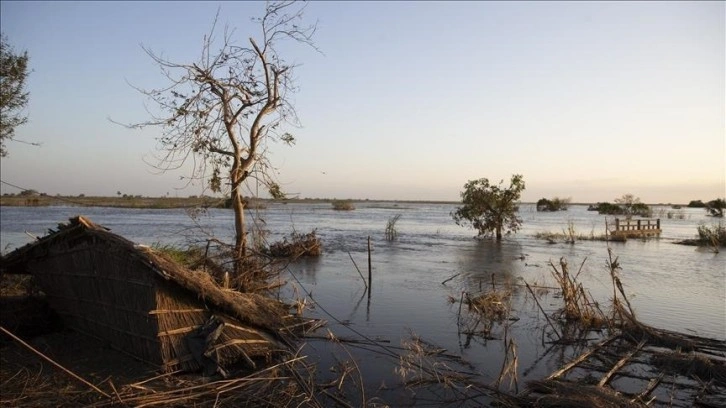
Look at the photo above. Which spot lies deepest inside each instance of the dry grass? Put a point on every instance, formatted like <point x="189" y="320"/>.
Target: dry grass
<point x="578" y="305"/>
<point x="18" y="285"/>
<point x="493" y="305"/>
<point x="298" y="245"/>
<point x="566" y="395"/>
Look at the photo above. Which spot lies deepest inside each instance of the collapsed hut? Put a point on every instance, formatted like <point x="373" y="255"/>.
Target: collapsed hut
<point x="144" y="304"/>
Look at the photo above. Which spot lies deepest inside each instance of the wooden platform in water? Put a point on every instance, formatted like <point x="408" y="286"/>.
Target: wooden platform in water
<point x="636" y="228"/>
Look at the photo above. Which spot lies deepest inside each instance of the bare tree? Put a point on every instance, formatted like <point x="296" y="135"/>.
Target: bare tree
<point x="221" y="111"/>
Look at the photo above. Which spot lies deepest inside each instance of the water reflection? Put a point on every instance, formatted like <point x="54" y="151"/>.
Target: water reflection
<point x="488" y="260"/>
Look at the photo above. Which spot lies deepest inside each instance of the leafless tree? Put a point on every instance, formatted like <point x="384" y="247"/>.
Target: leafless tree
<point x="221" y="111"/>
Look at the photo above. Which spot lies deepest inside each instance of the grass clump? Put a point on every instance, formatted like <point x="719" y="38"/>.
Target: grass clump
<point x="189" y="257"/>
<point x="298" y="245"/>
<point x="713" y="235"/>
<point x="493" y="305"/>
<point x="343" y="205"/>
<point x="578" y="305"/>
<point x="391" y="232"/>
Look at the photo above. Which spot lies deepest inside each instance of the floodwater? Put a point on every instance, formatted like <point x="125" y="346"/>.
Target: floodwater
<point x="670" y="286"/>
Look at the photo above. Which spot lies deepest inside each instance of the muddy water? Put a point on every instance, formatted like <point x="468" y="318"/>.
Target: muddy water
<point x="671" y="286"/>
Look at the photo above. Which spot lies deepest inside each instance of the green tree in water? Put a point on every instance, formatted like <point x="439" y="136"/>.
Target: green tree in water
<point x="490" y="209"/>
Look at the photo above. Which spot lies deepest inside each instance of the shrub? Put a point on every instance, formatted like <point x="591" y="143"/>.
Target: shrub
<point x="298" y="245"/>
<point x="556" y="204"/>
<point x="714" y="235"/>
<point x="715" y="207"/>
<point x="343" y="205"/>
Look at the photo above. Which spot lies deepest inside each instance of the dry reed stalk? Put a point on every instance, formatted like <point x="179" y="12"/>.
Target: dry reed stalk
<point x="509" y="367"/>
<point x="358" y="269"/>
<point x="554" y="329"/>
<point x="566" y="394"/>
<point x="578" y="306"/>
<point x="255" y="389"/>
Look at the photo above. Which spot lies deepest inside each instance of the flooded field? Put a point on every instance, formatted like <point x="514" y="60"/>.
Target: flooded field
<point x="419" y="277"/>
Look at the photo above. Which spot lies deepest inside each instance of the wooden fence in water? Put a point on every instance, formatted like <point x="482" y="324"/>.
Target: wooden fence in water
<point x="629" y="228"/>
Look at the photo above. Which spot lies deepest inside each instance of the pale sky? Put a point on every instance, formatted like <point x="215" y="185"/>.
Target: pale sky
<point x="408" y="100"/>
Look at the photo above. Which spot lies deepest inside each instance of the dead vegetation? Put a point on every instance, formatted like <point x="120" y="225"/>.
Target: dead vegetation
<point x="578" y="304"/>
<point x="298" y="245"/>
<point x="343" y="205"/>
<point x="632" y="364"/>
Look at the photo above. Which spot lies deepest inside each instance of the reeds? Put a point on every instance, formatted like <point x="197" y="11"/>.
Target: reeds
<point x="712" y="235"/>
<point x="391" y="232"/>
<point x="578" y="305"/>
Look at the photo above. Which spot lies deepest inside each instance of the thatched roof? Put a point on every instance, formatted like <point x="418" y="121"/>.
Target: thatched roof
<point x="248" y="308"/>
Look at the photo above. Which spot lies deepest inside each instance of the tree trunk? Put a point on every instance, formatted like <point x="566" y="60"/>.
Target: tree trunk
<point x="240" y="239"/>
<point x="499" y="232"/>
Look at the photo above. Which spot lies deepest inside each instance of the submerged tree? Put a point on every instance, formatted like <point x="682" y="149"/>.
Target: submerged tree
<point x="630" y="205"/>
<point x="490" y="208"/>
<point x="555" y="204"/>
<point x="715" y="207"/>
<point x="13" y="96"/>
<point x="222" y="110"/>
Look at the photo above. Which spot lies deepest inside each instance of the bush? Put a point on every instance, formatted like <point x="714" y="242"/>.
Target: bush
<point x="298" y="245"/>
<point x="556" y="204"/>
<point x="343" y="205"/>
<point x="715" y="207"/>
<point x="714" y="235"/>
<point x="639" y="209"/>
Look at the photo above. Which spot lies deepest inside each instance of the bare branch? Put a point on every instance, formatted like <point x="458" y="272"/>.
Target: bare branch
<point x="221" y="110"/>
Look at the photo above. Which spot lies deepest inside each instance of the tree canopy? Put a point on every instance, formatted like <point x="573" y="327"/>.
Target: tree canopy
<point x="13" y="96"/>
<point x="489" y="208"/>
<point x="555" y="204"/>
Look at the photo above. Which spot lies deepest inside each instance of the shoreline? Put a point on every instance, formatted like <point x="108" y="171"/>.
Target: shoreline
<point x="189" y="202"/>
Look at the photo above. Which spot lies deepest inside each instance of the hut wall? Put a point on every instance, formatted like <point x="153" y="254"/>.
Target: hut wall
<point x="178" y="314"/>
<point x="102" y="289"/>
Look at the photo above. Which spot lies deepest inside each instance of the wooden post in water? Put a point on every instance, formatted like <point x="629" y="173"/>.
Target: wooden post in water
<point x="369" y="266"/>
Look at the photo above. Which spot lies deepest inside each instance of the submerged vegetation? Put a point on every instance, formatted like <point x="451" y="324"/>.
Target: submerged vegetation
<point x="555" y="204"/>
<point x="627" y="205"/>
<point x="713" y="235"/>
<point x="343" y="205"/>
<point x="490" y="209"/>
<point x="391" y="231"/>
<point x="298" y="245"/>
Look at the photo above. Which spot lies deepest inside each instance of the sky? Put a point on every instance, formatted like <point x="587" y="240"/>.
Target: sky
<point x="405" y="100"/>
